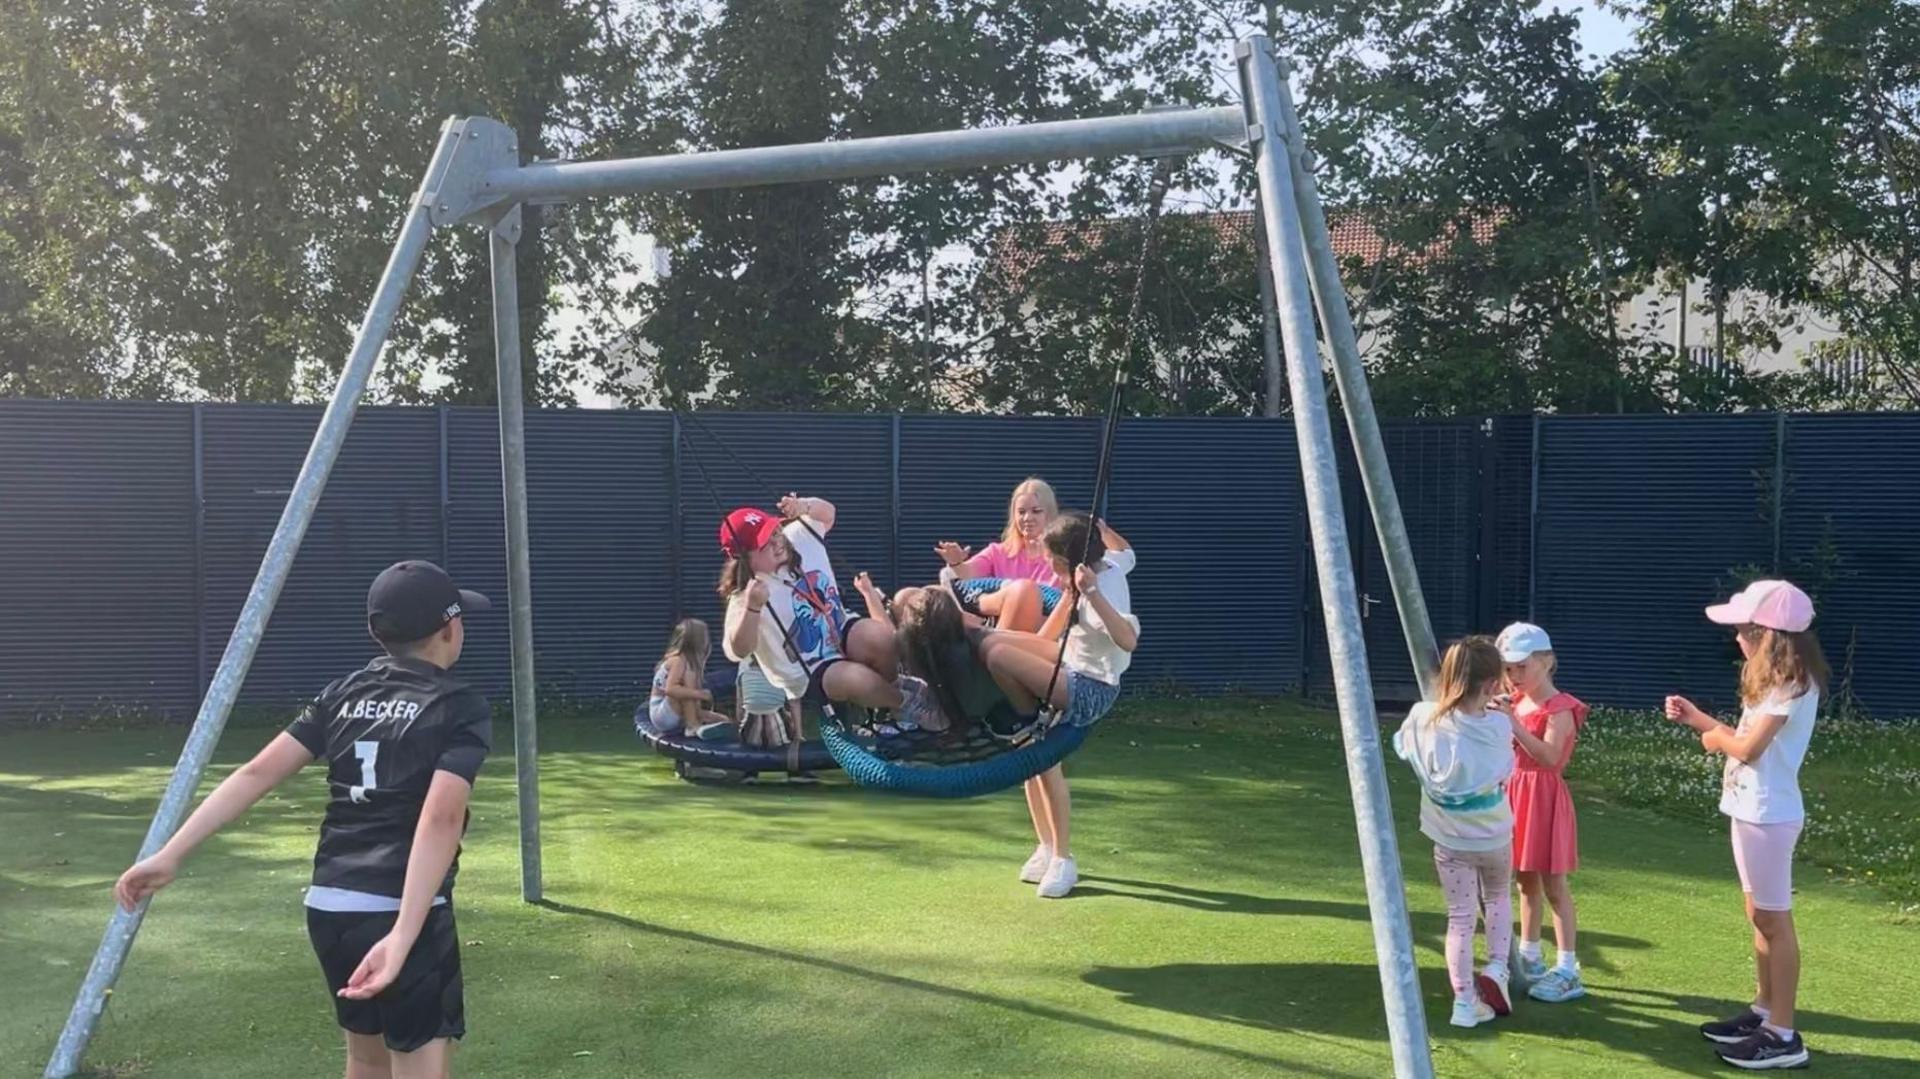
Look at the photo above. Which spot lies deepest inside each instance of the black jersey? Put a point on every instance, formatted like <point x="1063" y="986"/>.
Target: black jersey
<point x="383" y="731"/>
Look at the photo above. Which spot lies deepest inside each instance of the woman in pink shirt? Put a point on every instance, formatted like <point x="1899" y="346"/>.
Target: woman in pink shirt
<point x="1012" y="579"/>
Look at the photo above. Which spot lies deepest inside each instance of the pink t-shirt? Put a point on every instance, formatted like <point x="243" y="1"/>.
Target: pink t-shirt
<point x="997" y="561"/>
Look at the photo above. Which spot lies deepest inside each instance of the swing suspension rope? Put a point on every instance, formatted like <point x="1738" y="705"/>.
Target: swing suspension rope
<point x="975" y="757"/>
<point x="1122" y="367"/>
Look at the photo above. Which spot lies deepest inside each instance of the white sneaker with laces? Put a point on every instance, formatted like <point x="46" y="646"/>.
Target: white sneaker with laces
<point x="1036" y="867"/>
<point x="1062" y="874"/>
<point x="1470" y="1012"/>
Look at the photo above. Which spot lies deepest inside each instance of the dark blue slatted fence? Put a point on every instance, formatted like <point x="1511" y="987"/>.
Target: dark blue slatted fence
<point x="133" y="531"/>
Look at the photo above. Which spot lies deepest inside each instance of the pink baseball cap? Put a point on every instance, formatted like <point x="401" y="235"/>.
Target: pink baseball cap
<point x="1773" y="604"/>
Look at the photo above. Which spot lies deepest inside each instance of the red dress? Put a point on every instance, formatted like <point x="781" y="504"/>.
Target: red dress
<point x="1545" y="835"/>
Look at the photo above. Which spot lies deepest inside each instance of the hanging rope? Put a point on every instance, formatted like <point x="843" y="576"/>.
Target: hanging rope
<point x="1122" y="366"/>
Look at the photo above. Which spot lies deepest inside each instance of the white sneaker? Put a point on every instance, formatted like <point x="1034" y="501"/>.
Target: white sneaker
<point x="1470" y="1012"/>
<point x="1036" y="866"/>
<point x="1060" y="878"/>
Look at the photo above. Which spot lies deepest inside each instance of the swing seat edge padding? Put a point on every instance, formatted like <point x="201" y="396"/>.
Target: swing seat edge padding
<point x="812" y="755"/>
<point x="968" y="780"/>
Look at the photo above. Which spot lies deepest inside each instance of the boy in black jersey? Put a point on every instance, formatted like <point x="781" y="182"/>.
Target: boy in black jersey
<point x="403" y="741"/>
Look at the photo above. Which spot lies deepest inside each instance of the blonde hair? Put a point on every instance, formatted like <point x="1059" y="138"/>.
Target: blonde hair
<point x="1042" y="491"/>
<point x="1467" y="667"/>
<point x="690" y="642"/>
<point x="1781" y="660"/>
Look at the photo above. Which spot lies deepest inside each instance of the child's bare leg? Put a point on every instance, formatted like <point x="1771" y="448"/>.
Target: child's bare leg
<point x="1037" y="809"/>
<point x="707" y="717"/>
<point x="855" y="683"/>
<point x="871" y="643"/>
<point x="1561" y="897"/>
<point x="367" y="1057"/>
<point x="1059" y="806"/>
<point x="1530" y="904"/>
<point x="795" y="722"/>
<point x="433" y="1060"/>
<point x="1024" y="667"/>
<point x="1780" y="983"/>
<point x="689" y="713"/>
<point x="1021" y="608"/>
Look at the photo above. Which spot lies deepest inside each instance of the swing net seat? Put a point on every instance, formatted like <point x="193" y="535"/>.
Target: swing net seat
<point x="808" y="756"/>
<point x="990" y="748"/>
<point x="975" y="765"/>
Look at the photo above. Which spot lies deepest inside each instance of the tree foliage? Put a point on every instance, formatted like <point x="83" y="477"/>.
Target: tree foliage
<point x="196" y="197"/>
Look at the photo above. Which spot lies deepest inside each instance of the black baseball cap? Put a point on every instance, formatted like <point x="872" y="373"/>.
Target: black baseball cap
<point x="411" y="600"/>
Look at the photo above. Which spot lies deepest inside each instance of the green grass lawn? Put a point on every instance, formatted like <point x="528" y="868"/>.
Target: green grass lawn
<point x="1221" y="928"/>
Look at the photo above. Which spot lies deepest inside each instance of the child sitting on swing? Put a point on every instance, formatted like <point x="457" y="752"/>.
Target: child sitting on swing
<point x="784" y="610"/>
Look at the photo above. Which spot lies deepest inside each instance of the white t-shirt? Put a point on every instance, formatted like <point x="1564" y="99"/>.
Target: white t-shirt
<point x="1463" y="761"/>
<point x="1768" y="790"/>
<point x="804" y="624"/>
<point x="1090" y="647"/>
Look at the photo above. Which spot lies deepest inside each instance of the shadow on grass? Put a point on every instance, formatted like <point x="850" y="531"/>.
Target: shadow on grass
<point x="970" y="996"/>
<point x="1429" y="927"/>
<point x="1342" y="1000"/>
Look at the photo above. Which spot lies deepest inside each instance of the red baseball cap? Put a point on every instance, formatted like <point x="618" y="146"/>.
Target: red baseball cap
<point x="746" y="530"/>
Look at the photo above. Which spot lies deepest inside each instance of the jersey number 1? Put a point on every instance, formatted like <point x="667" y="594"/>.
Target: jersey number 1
<point x="367" y="752"/>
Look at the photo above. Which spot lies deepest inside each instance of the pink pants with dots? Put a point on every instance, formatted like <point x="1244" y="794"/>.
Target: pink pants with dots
<point x="1473" y="882"/>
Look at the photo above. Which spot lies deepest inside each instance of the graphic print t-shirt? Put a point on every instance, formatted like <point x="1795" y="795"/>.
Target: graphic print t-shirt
<point x="383" y="731"/>
<point x="805" y="623"/>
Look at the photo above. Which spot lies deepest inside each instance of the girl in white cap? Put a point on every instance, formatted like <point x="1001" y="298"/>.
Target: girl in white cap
<point x="1546" y="841"/>
<point x="1780" y="686"/>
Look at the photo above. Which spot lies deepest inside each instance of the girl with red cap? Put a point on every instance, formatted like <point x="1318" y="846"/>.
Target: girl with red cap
<point x="1780" y="686"/>
<point x="784" y="609"/>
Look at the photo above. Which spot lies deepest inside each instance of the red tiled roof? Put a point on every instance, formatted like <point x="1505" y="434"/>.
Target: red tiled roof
<point x="1356" y="238"/>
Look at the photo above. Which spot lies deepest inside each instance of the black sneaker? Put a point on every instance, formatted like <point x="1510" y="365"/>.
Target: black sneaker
<point x="1765" y="1049"/>
<point x="1732" y="1031"/>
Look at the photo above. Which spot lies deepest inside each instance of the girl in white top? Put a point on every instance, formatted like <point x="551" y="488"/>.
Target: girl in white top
<point x="1461" y="748"/>
<point x="1780" y="686"/>
<point x="1100" y="646"/>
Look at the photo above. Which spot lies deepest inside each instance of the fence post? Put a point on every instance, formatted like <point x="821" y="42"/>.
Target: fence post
<point x="199" y="553"/>
<point x="1487" y="470"/>
<point x="1779" y="509"/>
<point x="446" y="492"/>
<point x="676" y="520"/>
<point x="1533" y="523"/>
<point x="893" y="534"/>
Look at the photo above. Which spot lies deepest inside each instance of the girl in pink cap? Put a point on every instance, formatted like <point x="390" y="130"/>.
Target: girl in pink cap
<point x="1780" y="686"/>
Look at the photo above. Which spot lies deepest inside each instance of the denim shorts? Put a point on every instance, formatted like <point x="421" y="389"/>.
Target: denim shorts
<point x="666" y="719"/>
<point x="1088" y="699"/>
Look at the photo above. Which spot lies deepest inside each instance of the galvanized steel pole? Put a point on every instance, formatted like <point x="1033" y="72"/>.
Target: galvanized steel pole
<point x="503" y="240"/>
<point x="1356" y="400"/>
<point x="1366" y="773"/>
<point x="245" y="641"/>
<point x="1149" y="134"/>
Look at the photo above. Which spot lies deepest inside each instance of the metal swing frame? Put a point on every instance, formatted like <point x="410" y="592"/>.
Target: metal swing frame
<point x="476" y="177"/>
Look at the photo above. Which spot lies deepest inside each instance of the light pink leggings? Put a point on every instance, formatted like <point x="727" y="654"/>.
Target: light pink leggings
<point x="1474" y="881"/>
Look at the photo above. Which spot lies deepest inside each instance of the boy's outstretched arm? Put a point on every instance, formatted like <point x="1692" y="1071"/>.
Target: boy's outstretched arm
<point x="436" y="839"/>
<point x="236" y="794"/>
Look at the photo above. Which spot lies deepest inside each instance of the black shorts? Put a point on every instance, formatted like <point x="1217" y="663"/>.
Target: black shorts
<point x="425" y="1002"/>
<point x="816" y="693"/>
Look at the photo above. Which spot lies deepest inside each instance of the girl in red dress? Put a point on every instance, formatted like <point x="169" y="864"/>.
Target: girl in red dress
<point x="1546" y="848"/>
